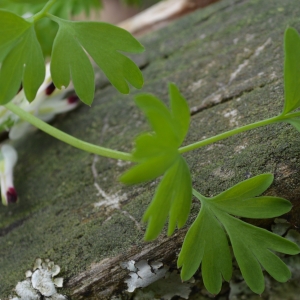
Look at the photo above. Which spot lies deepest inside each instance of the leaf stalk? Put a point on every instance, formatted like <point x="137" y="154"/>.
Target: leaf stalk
<point x="227" y="134"/>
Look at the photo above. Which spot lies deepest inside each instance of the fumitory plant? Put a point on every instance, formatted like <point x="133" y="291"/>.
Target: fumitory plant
<point x="216" y="230"/>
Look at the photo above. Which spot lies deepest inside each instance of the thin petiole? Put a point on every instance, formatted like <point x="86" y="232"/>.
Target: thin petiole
<point x="227" y="134"/>
<point x="66" y="137"/>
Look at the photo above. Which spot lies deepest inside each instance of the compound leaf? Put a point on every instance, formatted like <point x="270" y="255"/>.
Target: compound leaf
<point x="104" y="43"/>
<point x="252" y="246"/>
<point x="157" y="153"/>
<point x="291" y="70"/>
<point x="22" y="58"/>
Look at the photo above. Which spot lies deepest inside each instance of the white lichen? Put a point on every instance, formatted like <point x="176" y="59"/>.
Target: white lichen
<point x="145" y="274"/>
<point x="155" y="281"/>
<point x="40" y="283"/>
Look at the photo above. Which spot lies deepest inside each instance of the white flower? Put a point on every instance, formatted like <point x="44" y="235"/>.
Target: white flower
<point x="48" y="102"/>
<point x="8" y="159"/>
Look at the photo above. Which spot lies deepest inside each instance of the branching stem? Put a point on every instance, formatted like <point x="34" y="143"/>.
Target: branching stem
<point x="127" y="156"/>
<point x="41" y="14"/>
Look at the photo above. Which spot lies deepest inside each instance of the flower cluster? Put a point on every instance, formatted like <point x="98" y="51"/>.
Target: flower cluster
<point x="49" y="102"/>
<point x="40" y="283"/>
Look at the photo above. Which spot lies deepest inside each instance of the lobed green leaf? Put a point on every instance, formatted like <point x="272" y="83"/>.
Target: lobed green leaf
<point x="22" y="58"/>
<point x="252" y="246"/>
<point x="159" y="118"/>
<point x="104" y="43"/>
<point x="72" y="64"/>
<point x="157" y="153"/>
<point x="291" y="70"/>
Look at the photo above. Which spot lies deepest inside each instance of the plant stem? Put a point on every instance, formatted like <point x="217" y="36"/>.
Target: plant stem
<point x="227" y="134"/>
<point x="41" y="14"/>
<point x="66" y="137"/>
<point x="127" y="156"/>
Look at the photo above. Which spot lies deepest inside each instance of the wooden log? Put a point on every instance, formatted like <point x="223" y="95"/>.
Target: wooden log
<point x="227" y="60"/>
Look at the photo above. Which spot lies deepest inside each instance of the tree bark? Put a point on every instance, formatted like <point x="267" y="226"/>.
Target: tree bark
<point x="227" y="60"/>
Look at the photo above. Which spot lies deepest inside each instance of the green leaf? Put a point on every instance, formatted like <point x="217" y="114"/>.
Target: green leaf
<point x="239" y="200"/>
<point x="173" y="197"/>
<point x="256" y="208"/>
<point x="247" y="189"/>
<point x="104" y="43"/>
<point x="160" y="119"/>
<point x="69" y="7"/>
<point x="150" y="168"/>
<point x="255" y="250"/>
<point x="72" y="64"/>
<point x="252" y="246"/>
<point x="157" y="153"/>
<point x="291" y="70"/>
<point x="11" y="28"/>
<point x="24" y="62"/>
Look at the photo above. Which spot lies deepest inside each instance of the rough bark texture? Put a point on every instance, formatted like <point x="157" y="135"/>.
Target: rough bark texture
<point x="228" y="62"/>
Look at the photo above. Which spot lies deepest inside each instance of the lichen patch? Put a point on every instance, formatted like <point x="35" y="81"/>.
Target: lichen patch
<point x="40" y="282"/>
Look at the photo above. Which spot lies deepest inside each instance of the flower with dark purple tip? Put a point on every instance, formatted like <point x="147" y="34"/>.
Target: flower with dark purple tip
<point x="8" y="159"/>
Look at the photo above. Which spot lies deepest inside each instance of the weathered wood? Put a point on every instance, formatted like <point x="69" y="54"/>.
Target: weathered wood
<point x="227" y="60"/>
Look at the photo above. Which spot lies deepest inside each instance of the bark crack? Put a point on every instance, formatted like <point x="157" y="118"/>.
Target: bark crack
<point x="230" y="91"/>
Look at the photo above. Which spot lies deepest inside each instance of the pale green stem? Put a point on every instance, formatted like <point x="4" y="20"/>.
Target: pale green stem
<point x="41" y="14"/>
<point x="127" y="156"/>
<point x="66" y="137"/>
<point x="227" y="134"/>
